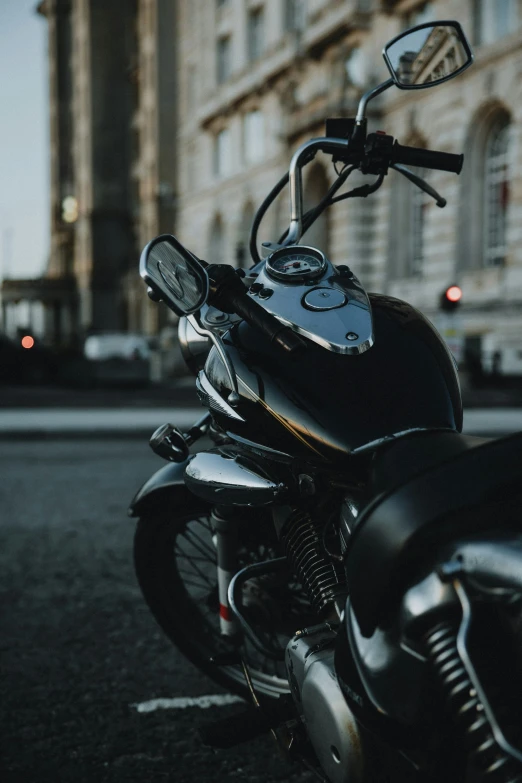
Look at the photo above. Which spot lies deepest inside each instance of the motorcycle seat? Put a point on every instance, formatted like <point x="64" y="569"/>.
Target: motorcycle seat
<point x="445" y="487"/>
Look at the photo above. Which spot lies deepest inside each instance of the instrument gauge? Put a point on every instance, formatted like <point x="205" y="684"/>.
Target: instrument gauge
<point x="296" y="264"/>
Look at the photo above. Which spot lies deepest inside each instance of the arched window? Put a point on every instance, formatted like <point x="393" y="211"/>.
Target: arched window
<point x="216" y="245"/>
<point x="417" y="205"/>
<point x="315" y="187"/>
<point x="243" y="258"/>
<point x="485" y="191"/>
<point x="496" y="193"/>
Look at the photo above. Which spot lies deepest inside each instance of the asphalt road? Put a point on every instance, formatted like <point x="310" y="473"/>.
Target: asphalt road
<point x="78" y="646"/>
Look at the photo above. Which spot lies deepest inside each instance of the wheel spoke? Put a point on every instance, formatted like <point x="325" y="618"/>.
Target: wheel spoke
<point x="187" y="580"/>
<point x="200" y="572"/>
<point x="203" y="547"/>
<point x="206" y="560"/>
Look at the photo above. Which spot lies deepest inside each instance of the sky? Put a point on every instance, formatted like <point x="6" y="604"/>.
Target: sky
<point x="24" y="140"/>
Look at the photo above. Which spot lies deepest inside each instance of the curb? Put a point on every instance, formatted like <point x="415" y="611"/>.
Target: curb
<point x="100" y="434"/>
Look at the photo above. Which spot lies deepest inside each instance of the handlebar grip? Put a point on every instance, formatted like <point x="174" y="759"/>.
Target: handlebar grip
<point x="429" y="159"/>
<point x="256" y="315"/>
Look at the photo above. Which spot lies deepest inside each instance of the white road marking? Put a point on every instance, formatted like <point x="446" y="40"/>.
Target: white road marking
<point x="182" y="702"/>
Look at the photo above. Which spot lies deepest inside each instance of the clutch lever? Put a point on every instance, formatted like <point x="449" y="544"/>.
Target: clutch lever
<point x="421" y="183"/>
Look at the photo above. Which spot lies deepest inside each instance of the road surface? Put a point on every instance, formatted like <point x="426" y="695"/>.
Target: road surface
<point x="79" y="648"/>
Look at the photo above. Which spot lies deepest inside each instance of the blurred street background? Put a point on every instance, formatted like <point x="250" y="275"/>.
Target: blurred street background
<point x="124" y="120"/>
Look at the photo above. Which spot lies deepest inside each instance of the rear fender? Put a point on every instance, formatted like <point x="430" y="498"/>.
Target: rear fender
<point x="165" y="490"/>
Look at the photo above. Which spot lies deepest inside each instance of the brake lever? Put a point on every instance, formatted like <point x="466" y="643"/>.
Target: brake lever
<point x="420" y="183"/>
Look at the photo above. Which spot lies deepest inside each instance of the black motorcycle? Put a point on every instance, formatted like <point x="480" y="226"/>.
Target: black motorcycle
<point x="341" y="555"/>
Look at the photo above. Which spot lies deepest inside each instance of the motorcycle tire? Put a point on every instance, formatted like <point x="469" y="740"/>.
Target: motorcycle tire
<point x="180" y="588"/>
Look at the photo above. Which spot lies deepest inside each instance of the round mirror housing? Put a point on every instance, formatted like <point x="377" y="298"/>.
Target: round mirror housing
<point x="174" y="275"/>
<point x="427" y="55"/>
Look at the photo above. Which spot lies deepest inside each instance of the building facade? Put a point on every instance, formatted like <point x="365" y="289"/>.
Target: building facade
<point x="258" y="78"/>
<point x="180" y="116"/>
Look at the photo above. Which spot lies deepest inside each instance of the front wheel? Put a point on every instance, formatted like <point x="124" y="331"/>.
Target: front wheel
<point x="175" y="561"/>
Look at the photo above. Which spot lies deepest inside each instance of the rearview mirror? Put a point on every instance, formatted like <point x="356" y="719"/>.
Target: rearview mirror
<point x="427" y="55"/>
<point x="174" y="275"/>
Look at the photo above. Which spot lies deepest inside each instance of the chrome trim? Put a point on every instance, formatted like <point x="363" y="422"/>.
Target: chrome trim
<point x="462" y="647"/>
<point x="254" y="571"/>
<point x="295" y="228"/>
<point x="373" y="444"/>
<point x="275" y="274"/>
<point x="259" y="446"/>
<point x="194" y="347"/>
<point x="220" y="348"/>
<point x="331" y="725"/>
<point x="328" y="328"/>
<point x="212" y="398"/>
<point x="311" y="299"/>
<point x="368" y="96"/>
<point x="230" y="479"/>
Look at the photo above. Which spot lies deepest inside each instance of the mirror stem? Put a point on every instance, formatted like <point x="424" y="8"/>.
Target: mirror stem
<point x="233" y="397"/>
<point x="368" y="96"/>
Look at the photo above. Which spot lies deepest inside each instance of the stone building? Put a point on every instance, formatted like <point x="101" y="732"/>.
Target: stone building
<point x="113" y="167"/>
<point x="257" y="78"/>
<point x="180" y="115"/>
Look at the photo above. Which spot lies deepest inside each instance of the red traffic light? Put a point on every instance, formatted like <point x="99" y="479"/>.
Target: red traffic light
<point x="451" y="298"/>
<point x="454" y="293"/>
<point x="27" y="341"/>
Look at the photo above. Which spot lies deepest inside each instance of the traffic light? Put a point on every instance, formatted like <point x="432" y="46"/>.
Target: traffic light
<point x="450" y="298"/>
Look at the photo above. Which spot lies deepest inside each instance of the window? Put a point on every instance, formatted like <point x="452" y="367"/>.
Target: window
<point x="417" y="208"/>
<point x="222" y="153"/>
<point x="223" y="59"/>
<point x="355" y="67"/>
<point x="294" y="15"/>
<point x="243" y="241"/>
<point x="256" y="25"/>
<point x="191" y="87"/>
<point x="408" y="216"/>
<point x="216" y="244"/>
<point x="316" y="186"/>
<point x="493" y="19"/>
<point x="254" y="136"/>
<point x="496" y="194"/>
<point x="485" y="190"/>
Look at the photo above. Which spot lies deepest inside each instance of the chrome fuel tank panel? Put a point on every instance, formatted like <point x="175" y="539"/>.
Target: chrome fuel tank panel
<point x="332" y="310"/>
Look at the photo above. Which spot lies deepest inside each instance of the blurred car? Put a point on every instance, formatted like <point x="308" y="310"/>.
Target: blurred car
<point x="119" y="358"/>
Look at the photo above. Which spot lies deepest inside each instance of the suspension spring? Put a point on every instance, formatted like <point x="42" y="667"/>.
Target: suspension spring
<point x="323" y="579"/>
<point x="467" y="709"/>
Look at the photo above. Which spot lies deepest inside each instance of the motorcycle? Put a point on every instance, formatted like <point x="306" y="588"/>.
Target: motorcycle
<point x="341" y="554"/>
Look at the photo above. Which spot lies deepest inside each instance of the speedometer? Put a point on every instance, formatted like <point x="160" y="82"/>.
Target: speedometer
<point x="296" y="264"/>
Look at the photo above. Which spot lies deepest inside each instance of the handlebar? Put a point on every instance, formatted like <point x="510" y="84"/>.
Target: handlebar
<point x="228" y="293"/>
<point x="429" y="159"/>
<point x="256" y="315"/>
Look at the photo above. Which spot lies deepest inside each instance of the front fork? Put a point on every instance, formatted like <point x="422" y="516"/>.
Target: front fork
<point x="225" y="525"/>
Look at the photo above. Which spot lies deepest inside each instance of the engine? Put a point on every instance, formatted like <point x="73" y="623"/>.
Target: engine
<point x="329" y="722"/>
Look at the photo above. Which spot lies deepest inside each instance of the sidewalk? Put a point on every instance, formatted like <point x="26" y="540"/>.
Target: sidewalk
<point x="34" y="423"/>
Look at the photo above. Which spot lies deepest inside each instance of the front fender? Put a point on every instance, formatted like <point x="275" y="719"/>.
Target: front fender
<point x="165" y="490"/>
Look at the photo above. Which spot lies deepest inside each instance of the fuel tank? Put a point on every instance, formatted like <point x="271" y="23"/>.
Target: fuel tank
<point x="324" y="406"/>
